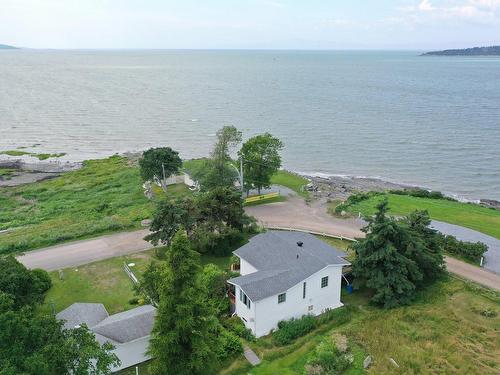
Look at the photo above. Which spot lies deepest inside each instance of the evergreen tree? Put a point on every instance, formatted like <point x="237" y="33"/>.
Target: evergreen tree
<point x="184" y="338"/>
<point x="382" y="263"/>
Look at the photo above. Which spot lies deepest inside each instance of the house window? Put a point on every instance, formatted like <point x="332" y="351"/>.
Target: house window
<point x="304" y="290"/>
<point x="281" y="297"/>
<point x="324" y="282"/>
<point x="244" y="299"/>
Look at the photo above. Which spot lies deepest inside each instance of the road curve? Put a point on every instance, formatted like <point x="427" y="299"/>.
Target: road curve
<point x="293" y="213"/>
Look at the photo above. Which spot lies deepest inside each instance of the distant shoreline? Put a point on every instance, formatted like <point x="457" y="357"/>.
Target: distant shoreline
<point x="475" y="51"/>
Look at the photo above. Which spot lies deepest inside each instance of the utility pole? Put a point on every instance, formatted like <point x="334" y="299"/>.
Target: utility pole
<point x="241" y="174"/>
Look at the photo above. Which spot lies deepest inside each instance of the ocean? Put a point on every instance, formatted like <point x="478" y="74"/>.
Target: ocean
<point x="429" y="121"/>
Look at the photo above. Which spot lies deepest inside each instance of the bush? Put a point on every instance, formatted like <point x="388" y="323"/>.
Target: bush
<point x="236" y="326"/>
<point x="133" y="301"/>
<point x="229" y="344"/>
<point x="422" y="193"/>
<point x="329" y="357"/>
<point x="289" y="330"/>
<point x="469" y="250"/>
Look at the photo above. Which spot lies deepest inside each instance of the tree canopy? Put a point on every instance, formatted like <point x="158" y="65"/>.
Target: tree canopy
<point x="218" y="170"/>
<point x="158" y="164"/>
<point x="36" y="343"/>
<point x="397" y="257"/>
<point x="261" y="159"/>
<point x="213" y="220"/>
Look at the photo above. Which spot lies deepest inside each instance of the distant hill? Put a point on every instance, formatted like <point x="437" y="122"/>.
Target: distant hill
<point x="476" y="51"/>
<point x="5" y="46"/>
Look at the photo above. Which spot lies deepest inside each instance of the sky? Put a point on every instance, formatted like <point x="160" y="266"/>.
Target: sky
<point x="250" y="24"/>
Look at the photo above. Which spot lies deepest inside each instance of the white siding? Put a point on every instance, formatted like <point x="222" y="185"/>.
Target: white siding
<point x="267" y="312"/>
<point x="246" y="314"/>
<point x="246" y="268"/>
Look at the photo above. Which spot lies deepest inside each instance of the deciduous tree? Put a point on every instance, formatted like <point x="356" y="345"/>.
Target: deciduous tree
<point x="261" y="159"/>
<point x="158" y="164"/>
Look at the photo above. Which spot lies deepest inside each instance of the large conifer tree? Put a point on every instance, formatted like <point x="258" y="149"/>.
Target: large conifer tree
<point x="184" y="338"/>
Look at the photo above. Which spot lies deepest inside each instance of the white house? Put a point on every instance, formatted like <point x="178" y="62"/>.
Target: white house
<point x="128" y="331"/>
<point x="286" y="275"/>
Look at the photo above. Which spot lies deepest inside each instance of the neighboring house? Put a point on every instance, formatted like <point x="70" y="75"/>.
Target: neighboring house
<point x="128" y="331"/>
<point x="286" y="275"/>
<point x="182" y="178"/>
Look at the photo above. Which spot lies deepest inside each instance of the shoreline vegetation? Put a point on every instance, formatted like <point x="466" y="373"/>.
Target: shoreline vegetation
<point x="475" y="51"/>
<point x="106" y="195"/>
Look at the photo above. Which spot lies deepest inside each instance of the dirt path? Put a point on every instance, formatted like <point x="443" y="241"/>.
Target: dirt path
<point x="86" y="251"/>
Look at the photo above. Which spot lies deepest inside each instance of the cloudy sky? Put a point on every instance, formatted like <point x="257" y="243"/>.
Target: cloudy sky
<point x="266" y="24"/>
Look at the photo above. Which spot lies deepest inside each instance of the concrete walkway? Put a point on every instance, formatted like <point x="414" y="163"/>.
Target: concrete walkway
<point x="251" y="356"/>
<point x="74" y="254"/>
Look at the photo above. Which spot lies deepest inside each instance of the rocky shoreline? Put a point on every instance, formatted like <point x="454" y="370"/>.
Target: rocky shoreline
<point x="341" y="187"/>
<point x="24" y="172"/>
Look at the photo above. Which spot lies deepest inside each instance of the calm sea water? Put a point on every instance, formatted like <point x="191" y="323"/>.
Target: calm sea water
<point x="433" y="121"/>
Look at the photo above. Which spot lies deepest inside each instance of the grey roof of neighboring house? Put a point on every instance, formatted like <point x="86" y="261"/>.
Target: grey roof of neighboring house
<point x="128" y="325"/>
<point x="281" y="263"/>
<point x="79" y="313"/>
<point x="128" y="331"/>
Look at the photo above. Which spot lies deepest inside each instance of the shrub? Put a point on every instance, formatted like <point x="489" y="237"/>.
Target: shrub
<point x="469" y="250"/>
<point x="133" y="301"/>
<point x="229" y="344"/>
<point x="236" y="326"/>
<point x="289" y="330"/>
<point x="329" y="358"/>
<point x="422" y="193"/>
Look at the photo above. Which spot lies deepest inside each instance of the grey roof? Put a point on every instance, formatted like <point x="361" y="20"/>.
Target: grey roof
<point x="128" y="325"/>
<point x="79" y="313"/>
<point x="281" y="263"/>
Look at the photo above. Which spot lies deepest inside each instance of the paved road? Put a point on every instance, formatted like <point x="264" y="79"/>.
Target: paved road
<point x="86" y="251"/>
<point x="491" y="257"/>
<point x="292" y="213"/>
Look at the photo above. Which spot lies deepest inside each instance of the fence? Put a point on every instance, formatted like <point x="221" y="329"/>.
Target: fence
<point x="261" y="197"/>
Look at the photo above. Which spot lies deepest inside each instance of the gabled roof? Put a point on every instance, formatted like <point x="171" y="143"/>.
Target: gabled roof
<point x="128" y="325"/>
<point x="281" y="263"/>
<point x="79" y="313"/>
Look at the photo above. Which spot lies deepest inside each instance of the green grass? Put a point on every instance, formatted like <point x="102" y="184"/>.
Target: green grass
<point x="101" y="282"/>
<point x="104" y="196"/>
<point x="443" y="331"/>
<point x="277" y="199"/>
<point x="472" y="216"/>
<point x="6" y="173"/>
<point x="292" y="181"/>
<point x="42" y="156"/>
<point x="105" y="282"/>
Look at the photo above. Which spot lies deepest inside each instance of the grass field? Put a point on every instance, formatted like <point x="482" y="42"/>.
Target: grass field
<point x="445" y="331"/>
<point x="291" y="181"/>
<point x="468" y="215"/>
<point x="104" y="196"/>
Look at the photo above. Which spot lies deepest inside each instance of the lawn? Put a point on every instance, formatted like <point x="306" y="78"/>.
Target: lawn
<point x="292" y="181"/>
<point x="105" y="282"/>
<point x="452" y="328"/>
<point x="101" y="282"/>
<point x="104" y="196"/>
<point x="471" y="216"/>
